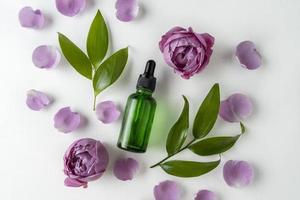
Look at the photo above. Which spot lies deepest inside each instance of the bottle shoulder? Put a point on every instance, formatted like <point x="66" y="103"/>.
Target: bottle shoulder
<point x="146" y="97"/>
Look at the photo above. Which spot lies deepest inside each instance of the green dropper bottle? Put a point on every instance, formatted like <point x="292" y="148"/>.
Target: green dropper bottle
<point x="139" y="113"/>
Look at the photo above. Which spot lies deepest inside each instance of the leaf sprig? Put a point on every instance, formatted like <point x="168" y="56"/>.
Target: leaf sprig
<point x="91" y="66"/>
<point x="204" y="122"/>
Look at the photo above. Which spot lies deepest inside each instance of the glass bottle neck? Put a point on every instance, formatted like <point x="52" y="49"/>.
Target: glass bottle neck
<point x="143" y="91"/>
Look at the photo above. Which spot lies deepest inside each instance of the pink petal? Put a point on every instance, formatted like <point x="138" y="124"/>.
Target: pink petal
<point x="74" y="183"/>
<point x="30" y="18"/>
<point x="236" y="108"/>
<point x="66" y="121"/>
<point x="125" y="169"/>
<point x="127" y="10"/>
<point x="37" y="100"/>
<point x="247" y="55"/>
<point x="70" y="7"/>
<point x="107" y="112"/>
<point x="167" y="190"/>
<point x="238" y="173"/>
<point x="46" y="57"/>
<point x="205" y="195"/>
<point x="167" y="35"/>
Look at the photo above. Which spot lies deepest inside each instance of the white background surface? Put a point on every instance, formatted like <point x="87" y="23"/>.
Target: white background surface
<point x="31" y="150"/>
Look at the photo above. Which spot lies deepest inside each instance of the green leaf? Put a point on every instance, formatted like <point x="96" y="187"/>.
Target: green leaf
<point x="188" y="168"/>
<point x="110" y="70"/>
<point x="97" y="40"/>
<point x="178" y="132"/>
<point x="75" y="56"/>
<point x="207" y="113"/>
<point x="215" y="145"/>
<point x="243" y="128"/>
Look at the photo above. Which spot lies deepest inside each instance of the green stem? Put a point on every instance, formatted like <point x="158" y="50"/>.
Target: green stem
<point x="94" y="104"/>
<point x="166" y="158"/>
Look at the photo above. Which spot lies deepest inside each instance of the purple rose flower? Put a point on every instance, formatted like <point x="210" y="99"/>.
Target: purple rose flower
<point x="84" y="161"/>
<point x="186" y="51"/>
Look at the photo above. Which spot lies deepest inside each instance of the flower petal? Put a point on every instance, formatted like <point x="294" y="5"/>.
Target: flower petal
<point x="127" y="10"/>
<point x="125" y="169"/>
<point x="236" y="108"/>
<point x="166" y="36"/>
<point x="238" y="173"/>
<point x="247" y="55"/>
<point x="37" y="100"/>
<point x="66" y="121"/>
<point x="167" y="190"/>
<point x="70" y="7"/>
<point x="70" y="182"/>
<point x="30" y="18"/>
<point x="107" y="112"/>
<point x="205" y="195"/>
<point x="46" y="56"/>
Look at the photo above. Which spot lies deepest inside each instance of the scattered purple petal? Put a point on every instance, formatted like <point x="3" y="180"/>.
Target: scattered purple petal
<point x="70" y="182"/>
<point x="30" y="18"/>
<point x="70" y="7"/>
<point x="127" y="10"/>
<point x="238" y="173"/>
<point x="167" y="190"/>
<point x="205" y="195"/>
<point x="37" y="100"/>
<point x="247" y="55"/>
<point x="236" y="108"/>
<point x="45" y="57"/>
<point x="66" y="121"/>
<point x="125" y="169"/>
<point x="107" y="112"/>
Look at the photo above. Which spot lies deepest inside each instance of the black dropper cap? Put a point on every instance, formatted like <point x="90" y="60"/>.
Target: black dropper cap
<point x="147" y="79"/>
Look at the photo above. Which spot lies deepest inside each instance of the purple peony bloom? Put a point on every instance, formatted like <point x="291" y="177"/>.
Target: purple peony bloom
<point x="205" y="195"/>
<point x="127" y="10"/>
<point x="70" y="7"/>
<point x="236" y="108"/>
<point x="37" y="100"/>
<point x="30" y="18"/>
<point x="45" y="57"/>
<point x="66" y="121"/>
<point x="84" y="161"/>
<point x="107" y="112"/>
<point x="238" y="173"/>
<point x="247" y="55"/>
<point x="167" y="190"/>
<point x="125" y="169"/>
<point x="186" y="51"/>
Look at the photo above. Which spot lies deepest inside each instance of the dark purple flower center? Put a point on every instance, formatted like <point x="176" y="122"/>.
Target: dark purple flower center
<point x="81" y="162"/>
<point x="184" y="56"/>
